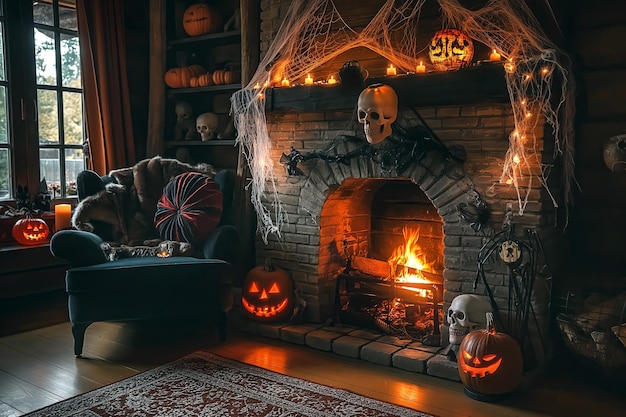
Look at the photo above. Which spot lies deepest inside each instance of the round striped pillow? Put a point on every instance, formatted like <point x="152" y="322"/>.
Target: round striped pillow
<point x="189" y="209"/>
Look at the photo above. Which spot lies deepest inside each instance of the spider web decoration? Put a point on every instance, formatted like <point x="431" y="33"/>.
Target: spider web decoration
<point x="314" y="32"/>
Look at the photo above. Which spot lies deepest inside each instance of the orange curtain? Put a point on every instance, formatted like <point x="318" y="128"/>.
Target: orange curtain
<point x="105" y="84"/>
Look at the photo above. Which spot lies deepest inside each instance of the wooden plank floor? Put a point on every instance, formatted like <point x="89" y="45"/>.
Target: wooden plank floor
<point x="38" y="368"/>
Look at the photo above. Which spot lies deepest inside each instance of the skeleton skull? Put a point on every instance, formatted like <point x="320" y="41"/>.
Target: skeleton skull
<point x="377" y="110"/>
<point x="183" y="111"/>
<point x="466" y="313"/>
<point x="206" y="125"/>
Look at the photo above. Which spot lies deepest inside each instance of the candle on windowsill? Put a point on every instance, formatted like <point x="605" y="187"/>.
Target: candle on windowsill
<point x="420" y="68"/>
<point x="391" y="70"/>
<point x="308" y="80"/>
<point x="332" y="80"/>
<point x="62" y="216"/>
<point x="494" y="56"/>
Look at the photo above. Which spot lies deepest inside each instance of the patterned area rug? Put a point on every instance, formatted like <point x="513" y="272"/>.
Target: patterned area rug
<point x="204" y="384"/>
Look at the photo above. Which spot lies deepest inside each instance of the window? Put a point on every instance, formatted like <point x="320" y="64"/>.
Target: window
<point x="41" y="100"/>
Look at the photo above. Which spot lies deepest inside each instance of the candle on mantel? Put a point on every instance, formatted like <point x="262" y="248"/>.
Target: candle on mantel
<point x="391" y="70"/>
<point x="495" y="56"/>
<point x="421" y="67"/>
<point x="332" y="80"/>
<point x="62" y="216"/>
<point x="285" y="82"/>
<point x="308" y="80"/>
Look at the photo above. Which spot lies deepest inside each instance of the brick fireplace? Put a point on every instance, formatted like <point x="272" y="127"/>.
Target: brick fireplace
<point x="360" y="208"/>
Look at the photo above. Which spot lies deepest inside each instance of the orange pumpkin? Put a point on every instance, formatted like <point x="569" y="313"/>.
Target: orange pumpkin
<point x="200" y="19"/>
<point x="178" y="77"/>
<point x="266" y="294"/>
<point x="205" y="79"/>
<point x="489" y="363"/>
<point x="450" y="49"/>
<point x="194" y="82"/>
<point x="30" y="230"/>
<point x="226" y="77"/>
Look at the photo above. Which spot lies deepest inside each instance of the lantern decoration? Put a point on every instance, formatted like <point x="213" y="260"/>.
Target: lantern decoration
<point x="490" y="363"/>
<point x="200" y="19"/>
<point x="267" y="293"/>
<point x="30" y="230"/>
<point x="450" y="49"/>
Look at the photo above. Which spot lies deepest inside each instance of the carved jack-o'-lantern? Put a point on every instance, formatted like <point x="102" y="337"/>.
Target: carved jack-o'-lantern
<point x="267" y="293"/>
<point x="489" y="363"/>
<point x="450" y="49"/>
<point x="201" y="18"/>
<point x="30" y="231"/>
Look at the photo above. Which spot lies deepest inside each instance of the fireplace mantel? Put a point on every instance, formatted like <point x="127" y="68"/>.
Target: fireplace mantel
<point x="482" y="83"/>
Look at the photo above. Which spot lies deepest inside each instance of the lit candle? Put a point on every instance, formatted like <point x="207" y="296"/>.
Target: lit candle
<point x="62" y="216"/>
<point x="308" y="80"/>
<point x="421" y="67"/>
<point x="494" y="56"/>
<point x="285" y="82"/>
<point x="332" y="80"/>
<point x="391" y="70"/>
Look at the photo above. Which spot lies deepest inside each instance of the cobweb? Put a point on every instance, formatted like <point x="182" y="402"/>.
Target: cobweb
<point x="314" y="32"/>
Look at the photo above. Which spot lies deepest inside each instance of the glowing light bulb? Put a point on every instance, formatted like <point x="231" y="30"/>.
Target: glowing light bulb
<point x="257" y="86"/>
<point x="516" y="159"/>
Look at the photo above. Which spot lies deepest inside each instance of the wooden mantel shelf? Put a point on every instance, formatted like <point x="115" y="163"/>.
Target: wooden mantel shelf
<point x="483" y="83"/>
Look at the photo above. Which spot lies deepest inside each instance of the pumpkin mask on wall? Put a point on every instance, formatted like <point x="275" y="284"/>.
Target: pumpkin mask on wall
<point x="30" y="230"/>
<point x="267" y="293"/>
<point x="489" y="363"/>
<point x="450" y="49"/>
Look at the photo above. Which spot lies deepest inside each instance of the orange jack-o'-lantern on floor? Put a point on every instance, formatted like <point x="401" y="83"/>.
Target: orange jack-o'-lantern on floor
<point x="267" y="293"/>
<point x="30" y="230"/>
<point x="489" y="362"/>
<point x="450" y="49"/>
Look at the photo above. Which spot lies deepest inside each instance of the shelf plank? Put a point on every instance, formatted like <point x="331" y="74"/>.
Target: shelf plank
<point x="477" y="84"/>
<point x="216" y="142"/>
<point x="208" y="89"/>
<point x="215" y="38"/>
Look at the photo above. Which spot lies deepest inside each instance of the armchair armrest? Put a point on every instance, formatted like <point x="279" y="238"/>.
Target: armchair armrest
<point x="222" y="243"/>
<point x="78" y="247"/>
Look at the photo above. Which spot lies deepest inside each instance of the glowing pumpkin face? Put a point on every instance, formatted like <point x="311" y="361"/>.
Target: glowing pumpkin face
<point x="30" y="231"/>
<point x="489" y="362"/>
<point x="450" y="49"/>
<point x="267" y="292"/>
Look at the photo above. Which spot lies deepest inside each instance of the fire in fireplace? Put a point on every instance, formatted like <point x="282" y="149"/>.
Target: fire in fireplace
<point x="401" y="296"/>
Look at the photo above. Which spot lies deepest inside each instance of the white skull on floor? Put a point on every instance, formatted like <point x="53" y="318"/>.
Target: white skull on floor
<point x="206" y="125"/>
<point x="467" y="313"/>
<point x="377" y="110"/>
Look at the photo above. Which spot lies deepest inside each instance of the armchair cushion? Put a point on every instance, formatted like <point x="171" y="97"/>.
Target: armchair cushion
<point x="189" y="209"/>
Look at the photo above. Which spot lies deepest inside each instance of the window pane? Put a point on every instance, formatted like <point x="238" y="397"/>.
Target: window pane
<point x="45" y="57"/>
<point x="73" y="118"/>
<point x="50" y="170"/>
<point x="67" y="15"/>
<point x="5" y="174"/>
<point x="4" y="120"/>
<point x="70" y="61"/>
<point x="48" y="116"/>
<point x="43" y="13"/>
<point x="2" y="76"/>
<point x="74" y="163"/>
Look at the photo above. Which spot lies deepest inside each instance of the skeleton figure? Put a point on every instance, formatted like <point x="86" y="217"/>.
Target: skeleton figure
<point x="377" y="110"/>
<point x="466" y="313"/>
<point x="206" y="125"/>
<point x="184" y="128"/>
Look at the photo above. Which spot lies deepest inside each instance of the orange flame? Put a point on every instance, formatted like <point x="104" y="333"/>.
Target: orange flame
<point x="407" y="260"/>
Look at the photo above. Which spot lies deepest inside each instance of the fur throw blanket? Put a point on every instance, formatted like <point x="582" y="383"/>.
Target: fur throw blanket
<point x="128" y="207"/>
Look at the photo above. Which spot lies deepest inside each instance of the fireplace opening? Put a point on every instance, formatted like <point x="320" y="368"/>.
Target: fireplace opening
<point x="381" y="240"/>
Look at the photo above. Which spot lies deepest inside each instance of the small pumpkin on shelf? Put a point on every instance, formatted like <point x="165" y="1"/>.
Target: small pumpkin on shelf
<point x="226" y="76"/>
<point x="179" y="77"/>
<point x="201" y="19"/>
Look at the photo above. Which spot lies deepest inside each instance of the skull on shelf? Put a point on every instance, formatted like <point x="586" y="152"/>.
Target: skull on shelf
<point x="466" y="313"/>
<point x="184" y="128"/>
<point x="377" y="110"/>
<point x="206" y="125"/>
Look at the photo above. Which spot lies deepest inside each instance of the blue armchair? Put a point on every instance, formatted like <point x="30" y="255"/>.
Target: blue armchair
<point x="149" y="288"/>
